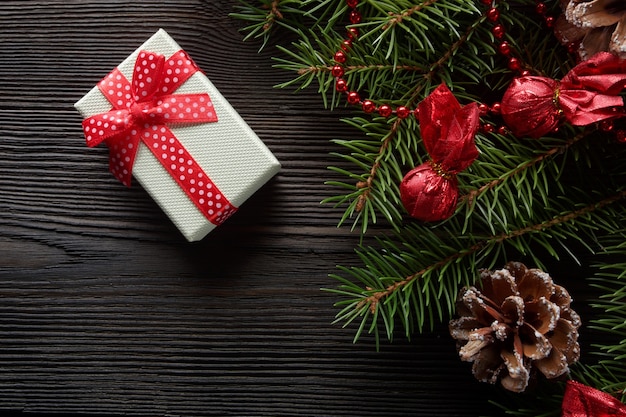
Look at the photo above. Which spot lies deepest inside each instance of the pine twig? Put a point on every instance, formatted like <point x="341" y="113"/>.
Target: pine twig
<point x="374" y="299"/>
<point x="471" y="196"/>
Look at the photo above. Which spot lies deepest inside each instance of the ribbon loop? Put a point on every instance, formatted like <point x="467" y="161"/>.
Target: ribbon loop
<point x="147" y="75"/>
<point x="142" y="110"/>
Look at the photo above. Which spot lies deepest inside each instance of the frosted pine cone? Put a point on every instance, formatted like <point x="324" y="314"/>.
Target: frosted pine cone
<point x="596" y="25"/>
<point x="518" y="320"/>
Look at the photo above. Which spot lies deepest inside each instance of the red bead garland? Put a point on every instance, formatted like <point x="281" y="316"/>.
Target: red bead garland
<point x="403" y="112"/>
<point x="368" y="106"/>
<point x="492" y="15"/>
<point x="338" y="72"/>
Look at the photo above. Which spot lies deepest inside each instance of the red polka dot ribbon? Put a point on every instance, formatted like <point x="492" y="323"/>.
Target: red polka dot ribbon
<point x="142" y="110"/>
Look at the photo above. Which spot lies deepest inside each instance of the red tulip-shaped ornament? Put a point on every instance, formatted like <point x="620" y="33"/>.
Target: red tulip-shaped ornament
<point x="430" y="191"/>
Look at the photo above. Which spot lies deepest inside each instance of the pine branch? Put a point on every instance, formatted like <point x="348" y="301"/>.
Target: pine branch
<point x="262" y="18"/>
<point x="562" y="195"/>
<point x="520" y="170"/>
<point x="388" y="286"/>
<point x="609" y="374"/>
<point x="375" y="73"/>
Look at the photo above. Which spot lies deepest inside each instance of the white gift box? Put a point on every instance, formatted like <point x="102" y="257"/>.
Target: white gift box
<point x="228" y="151"/>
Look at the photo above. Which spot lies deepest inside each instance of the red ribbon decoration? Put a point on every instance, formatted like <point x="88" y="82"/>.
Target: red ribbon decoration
<point x="581" y="400"/>
<point x="142" y="111"/>
<point x="534" y="106"/>
<point x="429" y="192"/>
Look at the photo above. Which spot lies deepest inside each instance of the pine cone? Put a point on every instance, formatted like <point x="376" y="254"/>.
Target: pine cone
<point x="518" y="321"/>
<point x="597" y="25"/>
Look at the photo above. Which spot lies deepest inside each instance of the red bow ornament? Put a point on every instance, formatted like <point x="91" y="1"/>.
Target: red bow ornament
<point x="142" y="112"/>
<point x="581" y="400"/>
<point x="429" y="192"/>
<point x="534" y="106"/>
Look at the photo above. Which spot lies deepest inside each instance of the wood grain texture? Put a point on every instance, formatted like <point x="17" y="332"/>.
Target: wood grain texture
<point x="105" y="310"/>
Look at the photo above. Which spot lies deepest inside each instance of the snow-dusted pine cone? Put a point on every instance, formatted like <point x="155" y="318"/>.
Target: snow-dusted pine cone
<point x="596" y="25"/>
<point x="516" y="321"/>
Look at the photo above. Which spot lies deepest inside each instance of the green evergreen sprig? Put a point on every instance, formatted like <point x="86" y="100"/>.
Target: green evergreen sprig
<point x="562" y="197"/>
<point x="609" y="374"/>
<point x="406" y="49"/>
<point x="417" y="277"/>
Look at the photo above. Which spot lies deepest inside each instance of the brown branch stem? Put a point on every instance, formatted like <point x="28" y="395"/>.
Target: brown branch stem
<point x="366" y="185"/>
<point x="328" y="68"/>
<point x="274" y="14"/>
<point x="398" y="17"/>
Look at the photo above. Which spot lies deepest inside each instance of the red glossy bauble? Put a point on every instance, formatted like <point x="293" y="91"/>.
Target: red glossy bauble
<point x="341" y="85"/>
<point x="427" y="195"/>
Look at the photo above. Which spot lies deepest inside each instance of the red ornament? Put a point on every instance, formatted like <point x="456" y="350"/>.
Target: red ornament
<point x="541" y="8"/>
<point x="534" y="106"/>
<point x="514" y="64"/>
<point x="368" y="106"/>
<point x="402" y="112"/>
<point x="341" y="85"/>
<point x="384" y="110"/>
<point x="581" y="400"/>
<point x="337" y="71"/>
<point x="488" y="128"/>
<point x="355" y="17"/>
<point x="352" y="3"/>
<point x="427" y="195"/>
<point x="340" y="56"/>
<point x="498" y="31"/>
<point x="504" y="48"/>
<point x="493" y="14"/>
<point x="353" y="97"/>
<point x="429" y="192"/>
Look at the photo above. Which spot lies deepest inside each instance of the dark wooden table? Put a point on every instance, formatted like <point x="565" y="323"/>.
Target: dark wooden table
<point x="106" y="310"/>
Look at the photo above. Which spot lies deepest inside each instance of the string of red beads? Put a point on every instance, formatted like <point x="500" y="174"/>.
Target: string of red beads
<point x="515" y="64"/>
<point x="402" y="112"/>
<point x="338" y="71"/>
<point x="492" y="14"/>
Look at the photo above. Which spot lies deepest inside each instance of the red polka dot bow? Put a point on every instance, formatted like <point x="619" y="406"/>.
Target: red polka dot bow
<point x="142" y="111"/>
